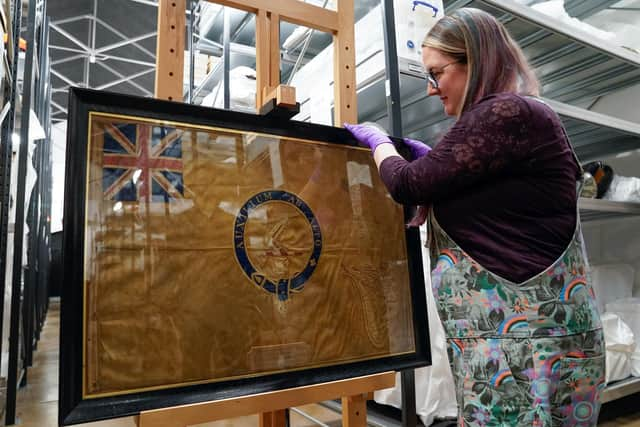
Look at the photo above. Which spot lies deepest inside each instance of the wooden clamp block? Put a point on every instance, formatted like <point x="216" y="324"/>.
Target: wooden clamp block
<point x="281" y="102"/>
<point x="284" y="95"/>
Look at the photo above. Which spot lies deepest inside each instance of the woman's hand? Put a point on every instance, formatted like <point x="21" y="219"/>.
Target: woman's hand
<point x="418" y="148"/>
<point x="368" y="135"/>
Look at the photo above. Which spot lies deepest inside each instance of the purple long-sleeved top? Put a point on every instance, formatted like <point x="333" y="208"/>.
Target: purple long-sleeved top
<point x="502" y="183"/>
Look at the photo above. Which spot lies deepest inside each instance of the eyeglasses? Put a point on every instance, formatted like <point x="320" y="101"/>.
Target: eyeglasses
<point x="432" y="77"/>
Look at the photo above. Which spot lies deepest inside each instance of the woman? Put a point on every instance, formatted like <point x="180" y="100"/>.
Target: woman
<point x="524" y="337"/>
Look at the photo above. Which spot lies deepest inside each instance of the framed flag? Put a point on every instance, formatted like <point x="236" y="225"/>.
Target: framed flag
<point x="210" y="254"/>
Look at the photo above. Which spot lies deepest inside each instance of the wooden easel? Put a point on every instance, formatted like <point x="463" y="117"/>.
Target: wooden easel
<point x="169" y="81"/>
<point x="340" y="23"/>
<point x="271" y="405"/>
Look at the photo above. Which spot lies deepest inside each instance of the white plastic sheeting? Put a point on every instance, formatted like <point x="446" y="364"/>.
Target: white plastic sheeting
<point x="30" y="180"/>
<point x="623" y="189"/>
<point x="629" y="311"/>
<point x="620" y="345"/>
<point x="242" y="91"/>
<point x="612" y="282"/>
<point x="613" y="248"/>
<point x="615" y="242"/>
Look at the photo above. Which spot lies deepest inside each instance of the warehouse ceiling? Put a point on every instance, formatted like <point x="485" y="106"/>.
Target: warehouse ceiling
<point x="102" y="44"/>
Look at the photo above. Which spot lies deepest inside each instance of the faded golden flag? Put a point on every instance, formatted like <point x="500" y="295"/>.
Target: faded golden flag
<point x="214" y="254"/>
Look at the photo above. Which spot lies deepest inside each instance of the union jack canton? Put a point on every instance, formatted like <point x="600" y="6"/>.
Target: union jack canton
<point x="142" y="162"/>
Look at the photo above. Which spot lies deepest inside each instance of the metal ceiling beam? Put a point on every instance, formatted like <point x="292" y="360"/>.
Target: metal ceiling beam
<point x="124" y="79"/>
<point x="126" y="42"/>
<point x="68" y="49"/>
<point x="71" y="19"/>
<point x="84" y="48"/>
<point x="131" y="82"/>
<point x="70" y="37"/>
<point x="63" y="78"/>
<point x="124" y="37"/>
<point x="245" y="20"/>
<point x="92" y="45"/>
<point x="129" y="60"/>
<point x="69" y="59"/>
<point x="59" y="107"/>
<point x="633" y="9"/>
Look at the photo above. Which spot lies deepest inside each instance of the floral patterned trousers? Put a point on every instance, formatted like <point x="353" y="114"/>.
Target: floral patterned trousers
<point x="527" y="354"/>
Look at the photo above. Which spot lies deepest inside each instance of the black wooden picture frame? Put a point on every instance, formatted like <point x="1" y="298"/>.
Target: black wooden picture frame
<point x="74" y="407"/>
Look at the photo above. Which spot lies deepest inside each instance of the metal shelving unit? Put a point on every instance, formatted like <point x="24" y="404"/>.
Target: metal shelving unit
<point x="620" y="389"/>
<point x="10" y="100"/>
<point x="572" y="67"/>
<point x="595" y="135"/>
<point x="597" y="209"/>
<point x="580" y="8"/>
<point x="572" y="64"/>
<point x="592" y="134"/>
<point x="27" y="94"/>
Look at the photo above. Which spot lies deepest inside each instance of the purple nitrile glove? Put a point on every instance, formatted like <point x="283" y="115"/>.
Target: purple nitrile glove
<point x="368" y="135"/>
<point x="418" y="148"/>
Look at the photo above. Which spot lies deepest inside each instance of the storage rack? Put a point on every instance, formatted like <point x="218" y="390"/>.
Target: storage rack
<point x="599" y="210"/>
<point x="11" y="22"/>
<point x="25" y="96"/>
<point x="572" y="64"/>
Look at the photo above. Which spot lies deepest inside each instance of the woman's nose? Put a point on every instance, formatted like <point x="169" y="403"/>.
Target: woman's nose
<point x="431" y="90"/>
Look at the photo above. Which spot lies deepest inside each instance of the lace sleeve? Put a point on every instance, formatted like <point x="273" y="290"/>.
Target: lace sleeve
<point x="492" y="138"/>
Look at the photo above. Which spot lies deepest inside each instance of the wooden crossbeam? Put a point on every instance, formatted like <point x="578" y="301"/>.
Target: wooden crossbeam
<point x="293" y="11"/>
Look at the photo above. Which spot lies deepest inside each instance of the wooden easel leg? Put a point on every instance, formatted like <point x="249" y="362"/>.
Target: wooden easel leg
<point x="354" y="411"/>
<point x="265" y="419"/>
<point x="273" y="419"/>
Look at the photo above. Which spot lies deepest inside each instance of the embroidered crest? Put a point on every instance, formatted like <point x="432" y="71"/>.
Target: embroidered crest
<point x="277" y="242"/>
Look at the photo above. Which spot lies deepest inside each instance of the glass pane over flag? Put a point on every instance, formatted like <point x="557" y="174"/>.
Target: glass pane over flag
<point x="215" y="254"/>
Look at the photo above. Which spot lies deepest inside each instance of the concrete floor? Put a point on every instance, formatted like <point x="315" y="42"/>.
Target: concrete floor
<point x="37" y="404"/>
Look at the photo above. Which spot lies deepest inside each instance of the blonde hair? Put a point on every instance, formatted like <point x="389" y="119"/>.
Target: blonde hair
<point x="495" y="62"/>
